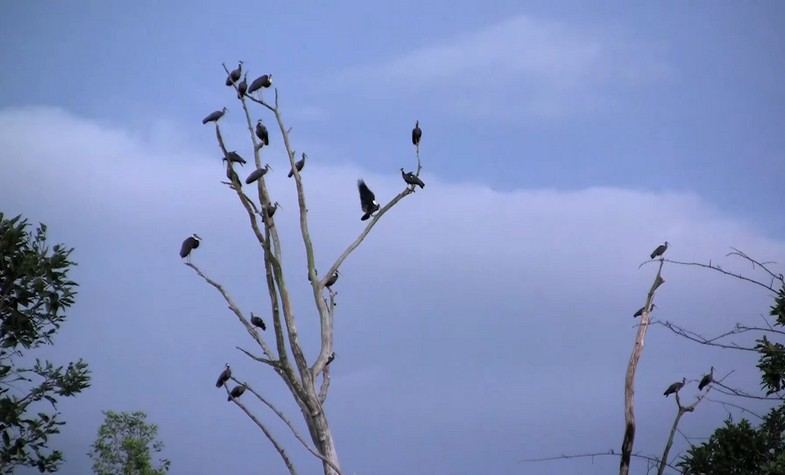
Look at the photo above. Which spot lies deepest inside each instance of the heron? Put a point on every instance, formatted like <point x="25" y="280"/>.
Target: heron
<point x="707" y="379"/>
<point x="258" y="322"/>
<point x="298" y="165"/>
<point x="660" y="250"/>
<point x="214" y="116"/>
<point x="234" y="76"/>
<point x="367" y="200"/>
<point x="416" y="134"/>
<point x="265" y="80"/>
<point x="261" y="132"/>
<point x="675" y="387"/>
<point x="256" y="174"/>
<point x="640" y="311"/>
<point x="332" y="279"/>
<point x="224" y="376"/>
<point x="242" y="87"/>
<point x="412" y="179"/>
<point x="236" y="392"/>
<point x="234" y="157"/>
<point x="190" y="243"/>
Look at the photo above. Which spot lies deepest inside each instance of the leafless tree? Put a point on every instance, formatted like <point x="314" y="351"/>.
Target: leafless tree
<point x="307" y="381"/>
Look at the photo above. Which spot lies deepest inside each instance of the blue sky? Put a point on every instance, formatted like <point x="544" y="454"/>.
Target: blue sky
<point x="561" y="143"/>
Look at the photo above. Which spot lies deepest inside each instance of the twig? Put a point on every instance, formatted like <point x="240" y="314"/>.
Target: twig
<point x="610" y="453"/>
<point x="736" y="406"/>
<point x="723" y="271"/>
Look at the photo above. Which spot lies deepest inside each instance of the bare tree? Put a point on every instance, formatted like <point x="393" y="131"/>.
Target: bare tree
<point x="307" y="381"/>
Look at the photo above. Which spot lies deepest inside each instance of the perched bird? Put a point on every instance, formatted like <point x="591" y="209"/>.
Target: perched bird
<point x="242" y="87"/>
<point x="236" y="392"/>
<point x="416" y="134"/>
<point x="256" y="174"/>
<point x="224" y="376"/>
<point x="258" y="322"/>
<point x="330" y="359"/>
<point x="235" y="157"/>
<point x="231" y="175"/>
<point x="270" y="209"/>
<point x="261" y="132"/>
<point x="333" y="278"/>
<point x="234" y="76"/>
<point x="660" y="250"/>
<point x="640" y="311"/>
<point x="412" y="179"/>
<point x="706" y="380"/>
<point x="265" y="80"/>
<point x="675" y="387"/>
<point x="299" y="165"/>
<point x="190" y="243"/>
<point x="214" y="116"/>
<point x="367" y="200"/>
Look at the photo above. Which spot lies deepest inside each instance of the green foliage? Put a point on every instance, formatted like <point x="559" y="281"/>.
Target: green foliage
<point x="124" y="445"/>
<point x="35" y="292"/>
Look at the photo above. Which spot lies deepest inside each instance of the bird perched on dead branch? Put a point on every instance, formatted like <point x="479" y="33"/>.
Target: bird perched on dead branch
<point x="242" y="87"/>
<point x="190" y="243"/>
<point x="367" y="200"/>
<point x="332" y="280"/>
<point x="214" y="116"/>
<point x="265" y="80"/>
<point x="707" y="379"/>
<point x="411" y="179"/>
<point x="299" y="164"/>
<point x="224" y="376"/>
<point x="234" y="76"/>
<point x="660" y="250"/>
<point x="261" y="132"/>
<point x="235" y="157"/>
<point x="640" y="311"/>
<point x="416" y="134"/>
<point x="675" y="387"/>
<point x="258" y="322"/>
<point x="236" y="392"/>
<point x="256" y="174"/>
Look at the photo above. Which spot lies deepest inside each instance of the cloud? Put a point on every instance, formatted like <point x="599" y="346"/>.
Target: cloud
<point x="469" y="321"/>
<point x="552" y="68"/>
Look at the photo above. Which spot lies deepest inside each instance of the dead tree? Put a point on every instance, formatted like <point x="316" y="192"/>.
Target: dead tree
<point x="307" y="381"/>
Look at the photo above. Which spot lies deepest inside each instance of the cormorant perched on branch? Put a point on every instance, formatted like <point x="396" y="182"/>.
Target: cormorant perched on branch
<point x="258" y="322"/>
<point x="214" y="116"/>
<point x="640" y="311"/>
<point x="707" y="379"/>
<point x="416" y="134"/>
<point x="367" y="200"/>
<point x="224" y="377"/>
<point x="675" y="387"/>
<point x="265" y="80"/>
<point x="660" y="250"/>
<point x="261" y="132"/>
<point x="299" y="164"/>
<point x="236" y="392"/>
<point x="190" y="243"/>
<point x="234" y="76"/>
<point x="331" y="281"/>
<point x="242" y="87"/>
<point x="330" y="359"/>
<point x="256" y="174"/>
<point x="235" y="157"/>
<point x="412" y="179"/>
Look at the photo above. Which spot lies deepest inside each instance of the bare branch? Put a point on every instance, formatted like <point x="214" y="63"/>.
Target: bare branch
<point x="736" y="406"/>
<point x="723" y="271"/>
<point x="274" y="364"/>
<point x="610" y="453"/>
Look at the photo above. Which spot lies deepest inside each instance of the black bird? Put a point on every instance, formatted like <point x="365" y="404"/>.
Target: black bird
<point x="242" y="87"/>
<point x="706" y="380"/>
<point x="675" y="387"/>
<point x="331" y="281"/>
<point x="224" y="377"/>
<point x="190" y="243"/>
<point x="234" y="76"/>
<point x="660" y="250"/>
<point x="412" y="179"/>
<point x="330" y="359"/>
<point x="256" y="174"/>
<point x="214" y="116"/>
<point x="261" y="132"/>
<point x="236" y="392"/>
<point x="258" y="322"/>
<point x="367" y="200"/>
<point x="640" y="311"/>
<point x="416" y="134"/>
<point x="270" y="209"/>
<point x="265" y="80"/>
<point x="235" y="157"/>
<point x="299" y="165"/>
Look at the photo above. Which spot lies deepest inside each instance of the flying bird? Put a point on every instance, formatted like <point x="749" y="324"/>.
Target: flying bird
<point x="224" y="376"/>
<point x="331" y="281"/>
<point x="256" y="174"/>
<point x="265" y="80"/>
<point x="367" y="200"/>
<point x="242" y="87"/>
<point x="261" y="132"/>
<point x="675" y="387"/>
<point x="190" y="243"/>
<point x="235" y="157"/>
<point x="258" y="322"/>
<point x="214" y="116"/>
<point x="640" y="311"/>
<point x="236" y="392"/>
<point x="660" y="250"/>
<point x="707" y="379"/>
<point x="416" y="134"/>
<point x="412" y="179"/>
<point x="234" y="76"/>
<point x="299" y="165"/>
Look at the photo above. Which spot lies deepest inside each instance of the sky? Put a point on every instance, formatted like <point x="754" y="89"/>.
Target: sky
<point x="486" y="319"/>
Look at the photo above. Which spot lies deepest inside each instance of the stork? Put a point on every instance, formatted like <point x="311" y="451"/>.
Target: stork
<point x="234" y="76"/>
<point x="298" y="165"/>
<point x="214" y="116"/>
<point x="190" y="243"/>
<point x="261" y="132"/>
<point x="265" y="80"/>
<point x="242" y="87"/>
<point x="332" y="279"/>
<point x="236" y="392"/>
<point x="660" y="250"/>
<point x="707" y="379"/>
<point x="675" y="387"/>
<point x="258" y="322"/>
<point x="411" y="179"/>
<point x="367" y="200"/>
<point x="224" y="376"/>
<point x="234" y="157"/>
<point x="416" y="134"/>
<point x="256" y="174"/>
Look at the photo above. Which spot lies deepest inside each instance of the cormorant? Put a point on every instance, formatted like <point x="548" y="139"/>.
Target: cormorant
<point x="235" y="157"/>
<point x="640" y="311"/>
<point x="214" y="116"/>
<point x="333" y="278"/>
<point x="707" y="379"/>
<point x="265" y="80"/>
<point x="190" y="243"/>
<point x="234" y="76"/>
<point x="412" y="179"/>
<point x="236" y="392"/>
<point x="367" y="200"/>
<point x="224" y="377"/>
<point x="660" y="250"/>
<point x="258" y="322"/>
<point x="299" y="164"/>
<point x="675" y="387"/>
<point x="256" y="174"/>
<point x="416" y="134"/>
<point x="261" y="132"/>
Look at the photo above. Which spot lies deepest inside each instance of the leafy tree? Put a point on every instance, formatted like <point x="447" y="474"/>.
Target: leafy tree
<point x="125" y="445"/>
<point x="35" y="292"/>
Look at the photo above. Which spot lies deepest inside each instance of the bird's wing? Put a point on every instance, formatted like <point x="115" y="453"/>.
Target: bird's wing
<point x="366" y="195"/>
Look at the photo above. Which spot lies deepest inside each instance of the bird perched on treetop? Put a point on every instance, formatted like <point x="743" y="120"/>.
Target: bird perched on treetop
<point x="265" y="80"/>
<point x="675" y="387"/>
<point x="367" y="200"/>
<point x="224" y="376"/>
<point x="416" y="134"/>
<point x="660" y="250"/>
<point x="707" y="379"/>
<point x="234" y="76"/>
<point x="190" y="243"/>
<point x="214" y="116"/>
<point x="242" y="87"/>
<point x="412" y="179"/>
